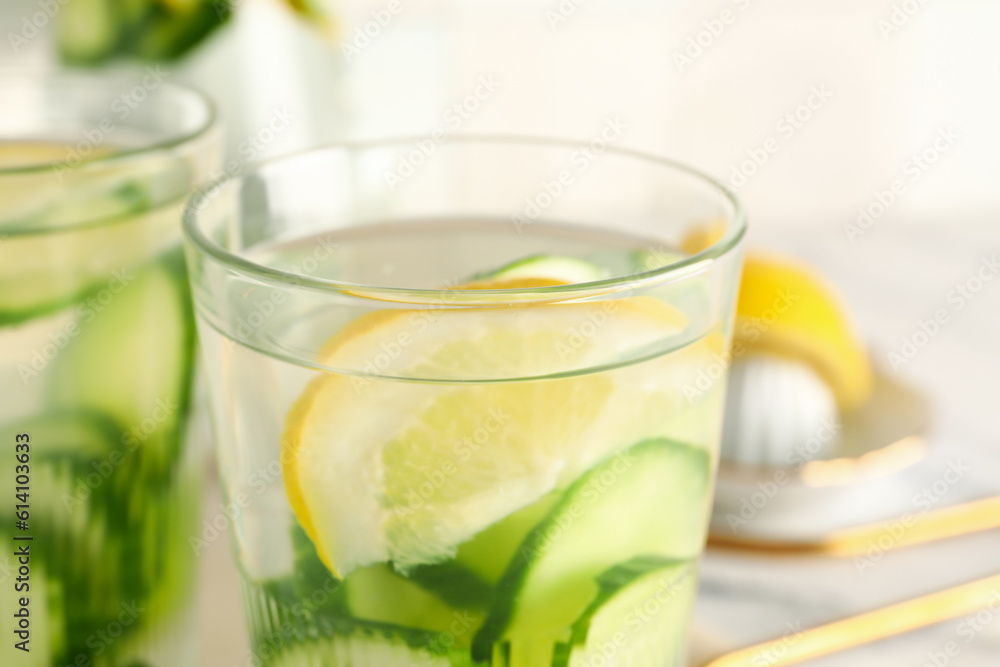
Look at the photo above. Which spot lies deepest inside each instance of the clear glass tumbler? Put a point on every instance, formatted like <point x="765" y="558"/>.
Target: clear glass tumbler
<point x="100" y="488"/>
<point x="463" y="398"/>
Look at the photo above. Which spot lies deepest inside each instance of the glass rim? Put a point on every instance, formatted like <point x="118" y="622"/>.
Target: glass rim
<point x="723" y="246"/>
<point x="109" y="79"/>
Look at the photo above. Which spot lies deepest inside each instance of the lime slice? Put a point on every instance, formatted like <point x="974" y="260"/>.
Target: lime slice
<point x="378" y="470"/>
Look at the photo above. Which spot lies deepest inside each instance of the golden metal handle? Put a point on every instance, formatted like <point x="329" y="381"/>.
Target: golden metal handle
<point x="938" y="524"/>
<point x="868" y="627"/>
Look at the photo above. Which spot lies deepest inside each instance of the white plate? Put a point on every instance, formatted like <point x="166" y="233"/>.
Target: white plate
<point x="866" y="478"/>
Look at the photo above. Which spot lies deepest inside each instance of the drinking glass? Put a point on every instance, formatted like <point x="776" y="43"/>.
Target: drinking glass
<point x="100" y="486"/>
<point x="467" y="397"/>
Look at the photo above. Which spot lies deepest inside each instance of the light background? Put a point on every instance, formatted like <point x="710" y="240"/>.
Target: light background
<point x="889" y="96"/>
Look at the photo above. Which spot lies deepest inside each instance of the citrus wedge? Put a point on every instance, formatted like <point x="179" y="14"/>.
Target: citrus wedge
<point x="787" y="310"/>
<point x="378" y="469"/>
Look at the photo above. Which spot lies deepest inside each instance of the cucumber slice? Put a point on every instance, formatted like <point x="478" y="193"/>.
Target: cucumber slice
<point x="79" y="195"/>
<point x="375" y="617"/>
<point x="488" y="554"/>
<point x="44" y="645"/>
<point x="447" y="595"/>
<point x="366" y="646"/>
<point x="469" y="579"/>
<point x="88" y="31"/>
<point x="88" y="499"/>
<point x="150" y="29"/>
<point x="173" y="28"/>
<point x="127" y="197"/>
<point x="454" y="584"/>
<point x="378" y="593"/>
<point x="131" y="358"/>
<point x="116" y="564"/>
<point x="65" y="449"/>
<point x="524" y="653"/>
<point x="47" y="271"/>
<point x="650" y="500"/>
<point x="647" y="260"/>
<point x="311" y="575"/>
<point x="61" y="436"/>
<point x="555" y="267"/>
<point x="639" y="617"/>
<point x="287" y="629"/>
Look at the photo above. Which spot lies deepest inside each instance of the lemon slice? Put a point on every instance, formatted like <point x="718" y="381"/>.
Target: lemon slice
<point x="703" y="235"/>
<point x="30" y="154"/>
<point x="786" y="309"/>
<point x="377" y="469"/>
